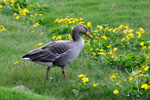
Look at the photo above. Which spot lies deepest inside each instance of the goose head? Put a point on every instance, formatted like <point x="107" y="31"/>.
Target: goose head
<point x="79" y="29"/>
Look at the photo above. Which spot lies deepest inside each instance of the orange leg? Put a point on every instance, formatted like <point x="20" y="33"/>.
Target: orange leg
<point x="63" y="71"/>
<point x="48" y="68"/>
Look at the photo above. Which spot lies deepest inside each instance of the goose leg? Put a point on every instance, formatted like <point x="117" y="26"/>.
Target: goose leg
<point x="48" y="68"/>
<point x="63" y="71"/>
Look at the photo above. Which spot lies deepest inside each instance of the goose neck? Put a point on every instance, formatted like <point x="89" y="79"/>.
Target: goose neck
<point x="75" y="36"/>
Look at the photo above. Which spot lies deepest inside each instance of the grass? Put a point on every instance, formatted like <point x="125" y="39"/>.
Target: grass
<point x="12" y="94"/>
<point x="18" y="40"/>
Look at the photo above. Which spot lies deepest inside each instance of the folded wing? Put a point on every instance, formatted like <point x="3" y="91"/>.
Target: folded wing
<point x="48" y="53"/>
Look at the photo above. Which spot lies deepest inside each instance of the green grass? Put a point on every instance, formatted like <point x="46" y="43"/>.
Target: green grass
<point x="12" y="94"/>
<point x="18" y="39"/>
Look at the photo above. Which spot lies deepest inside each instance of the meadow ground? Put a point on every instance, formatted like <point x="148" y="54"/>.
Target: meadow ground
<point x="23" y="34"/>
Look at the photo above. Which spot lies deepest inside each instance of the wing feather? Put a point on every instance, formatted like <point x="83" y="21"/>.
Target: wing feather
<point x="50" y="52"/>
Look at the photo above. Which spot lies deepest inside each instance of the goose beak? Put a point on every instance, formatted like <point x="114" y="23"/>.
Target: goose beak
<point x="88" y="34"/>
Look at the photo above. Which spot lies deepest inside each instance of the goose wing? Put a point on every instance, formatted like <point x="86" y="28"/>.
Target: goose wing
<point x="50" y="52"/>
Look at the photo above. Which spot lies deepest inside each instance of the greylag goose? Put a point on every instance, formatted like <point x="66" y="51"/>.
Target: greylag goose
<point x="59" y="53"/>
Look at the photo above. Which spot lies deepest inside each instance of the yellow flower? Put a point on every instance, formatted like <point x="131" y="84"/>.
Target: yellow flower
<point x="120" y="81"/>
<point x="106" y="79"/>
<point x="96" y="49"/>
<point x="138" y="32"/>
<point x="148" y="41"/>
<point x="109" y="46"/>
<point x="125" y="31"/>
<point x="141" y="75"/>
<point x="96" y="30"/>
<point x="146" y="68"/>
<point x="144" y="47"/>
<point x="104" y="37"/>
<point x="2" y="28"/>
<point x="94" y="85"/>
<point x="11" y="4"/>
<point x="131" y="35"/>
<point x="137" y="70"/>
<point x="123" y="39"/>
<point x="84" y="79"/>
<point x="43" y="5"/>
<point x="75" y="21"/>
<point x="42" y="33"/>
<point x="70" y="22"/>
<point x="19" y="8"/>
<point x="34" y="25"/>
<point x="142" y="43"/>
<point x="114" y="30"/>
<point x="35" y="45"/>
<point x="89" y="24"/>
<point x="40" y="14"/>
<point x="137" y="76"/>
<point x="94" y="40"/>
<point x="126" y="27"/>
<point x="130" y="78"/>
<point x="81" y="75"/>
<point x="81" y="19"/>
<point x="147" y="57"/>
<point x="17" y="17"/>
<point x="113" y="57"/>
<point x="142" y="67"/>
<point x="125" y="69"/>
<point x="101" y="53"/>
<point x="116" y="91"/>
<point x="94" y="33"/>
<point x="18" y="4"/>
<point x="140" y="71"/>
<point x="56" y="20"/>
<point x="145" y="86"/>
<point x="15" y="14"/>
<point x="100" y="27"/>
<point x="110" y="29"/>
<point x="1" y="6"/>
<point x="81" y="22"/>
<point x="4" y="1"/>
<point x="16" y="62"/>
<point x="37" y="24"/>
<point x="101" y="50"/>
<point x="115" y="49"/>
<point x="121" y="26"/>
<point x="141" y="30"/>
<point x="130" y="31"/>
<point x="123" y="46"/>
<point x="93" y="53"/>
<point x="106" y="28"/>
<point x="58" y="38"/>
<point x="40" y="44"/>
<point x="110" y="52"/>
<point x="31" y="15"/>
<point x="32" y="31"/>
<point x="91" y="49"/>
<point x="26" y="10"/>
<point x="113" y="76"/>
<point x="20" y="12"/>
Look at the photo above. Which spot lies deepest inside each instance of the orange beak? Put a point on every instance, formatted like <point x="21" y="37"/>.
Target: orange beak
<point x="88" y="34"/>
